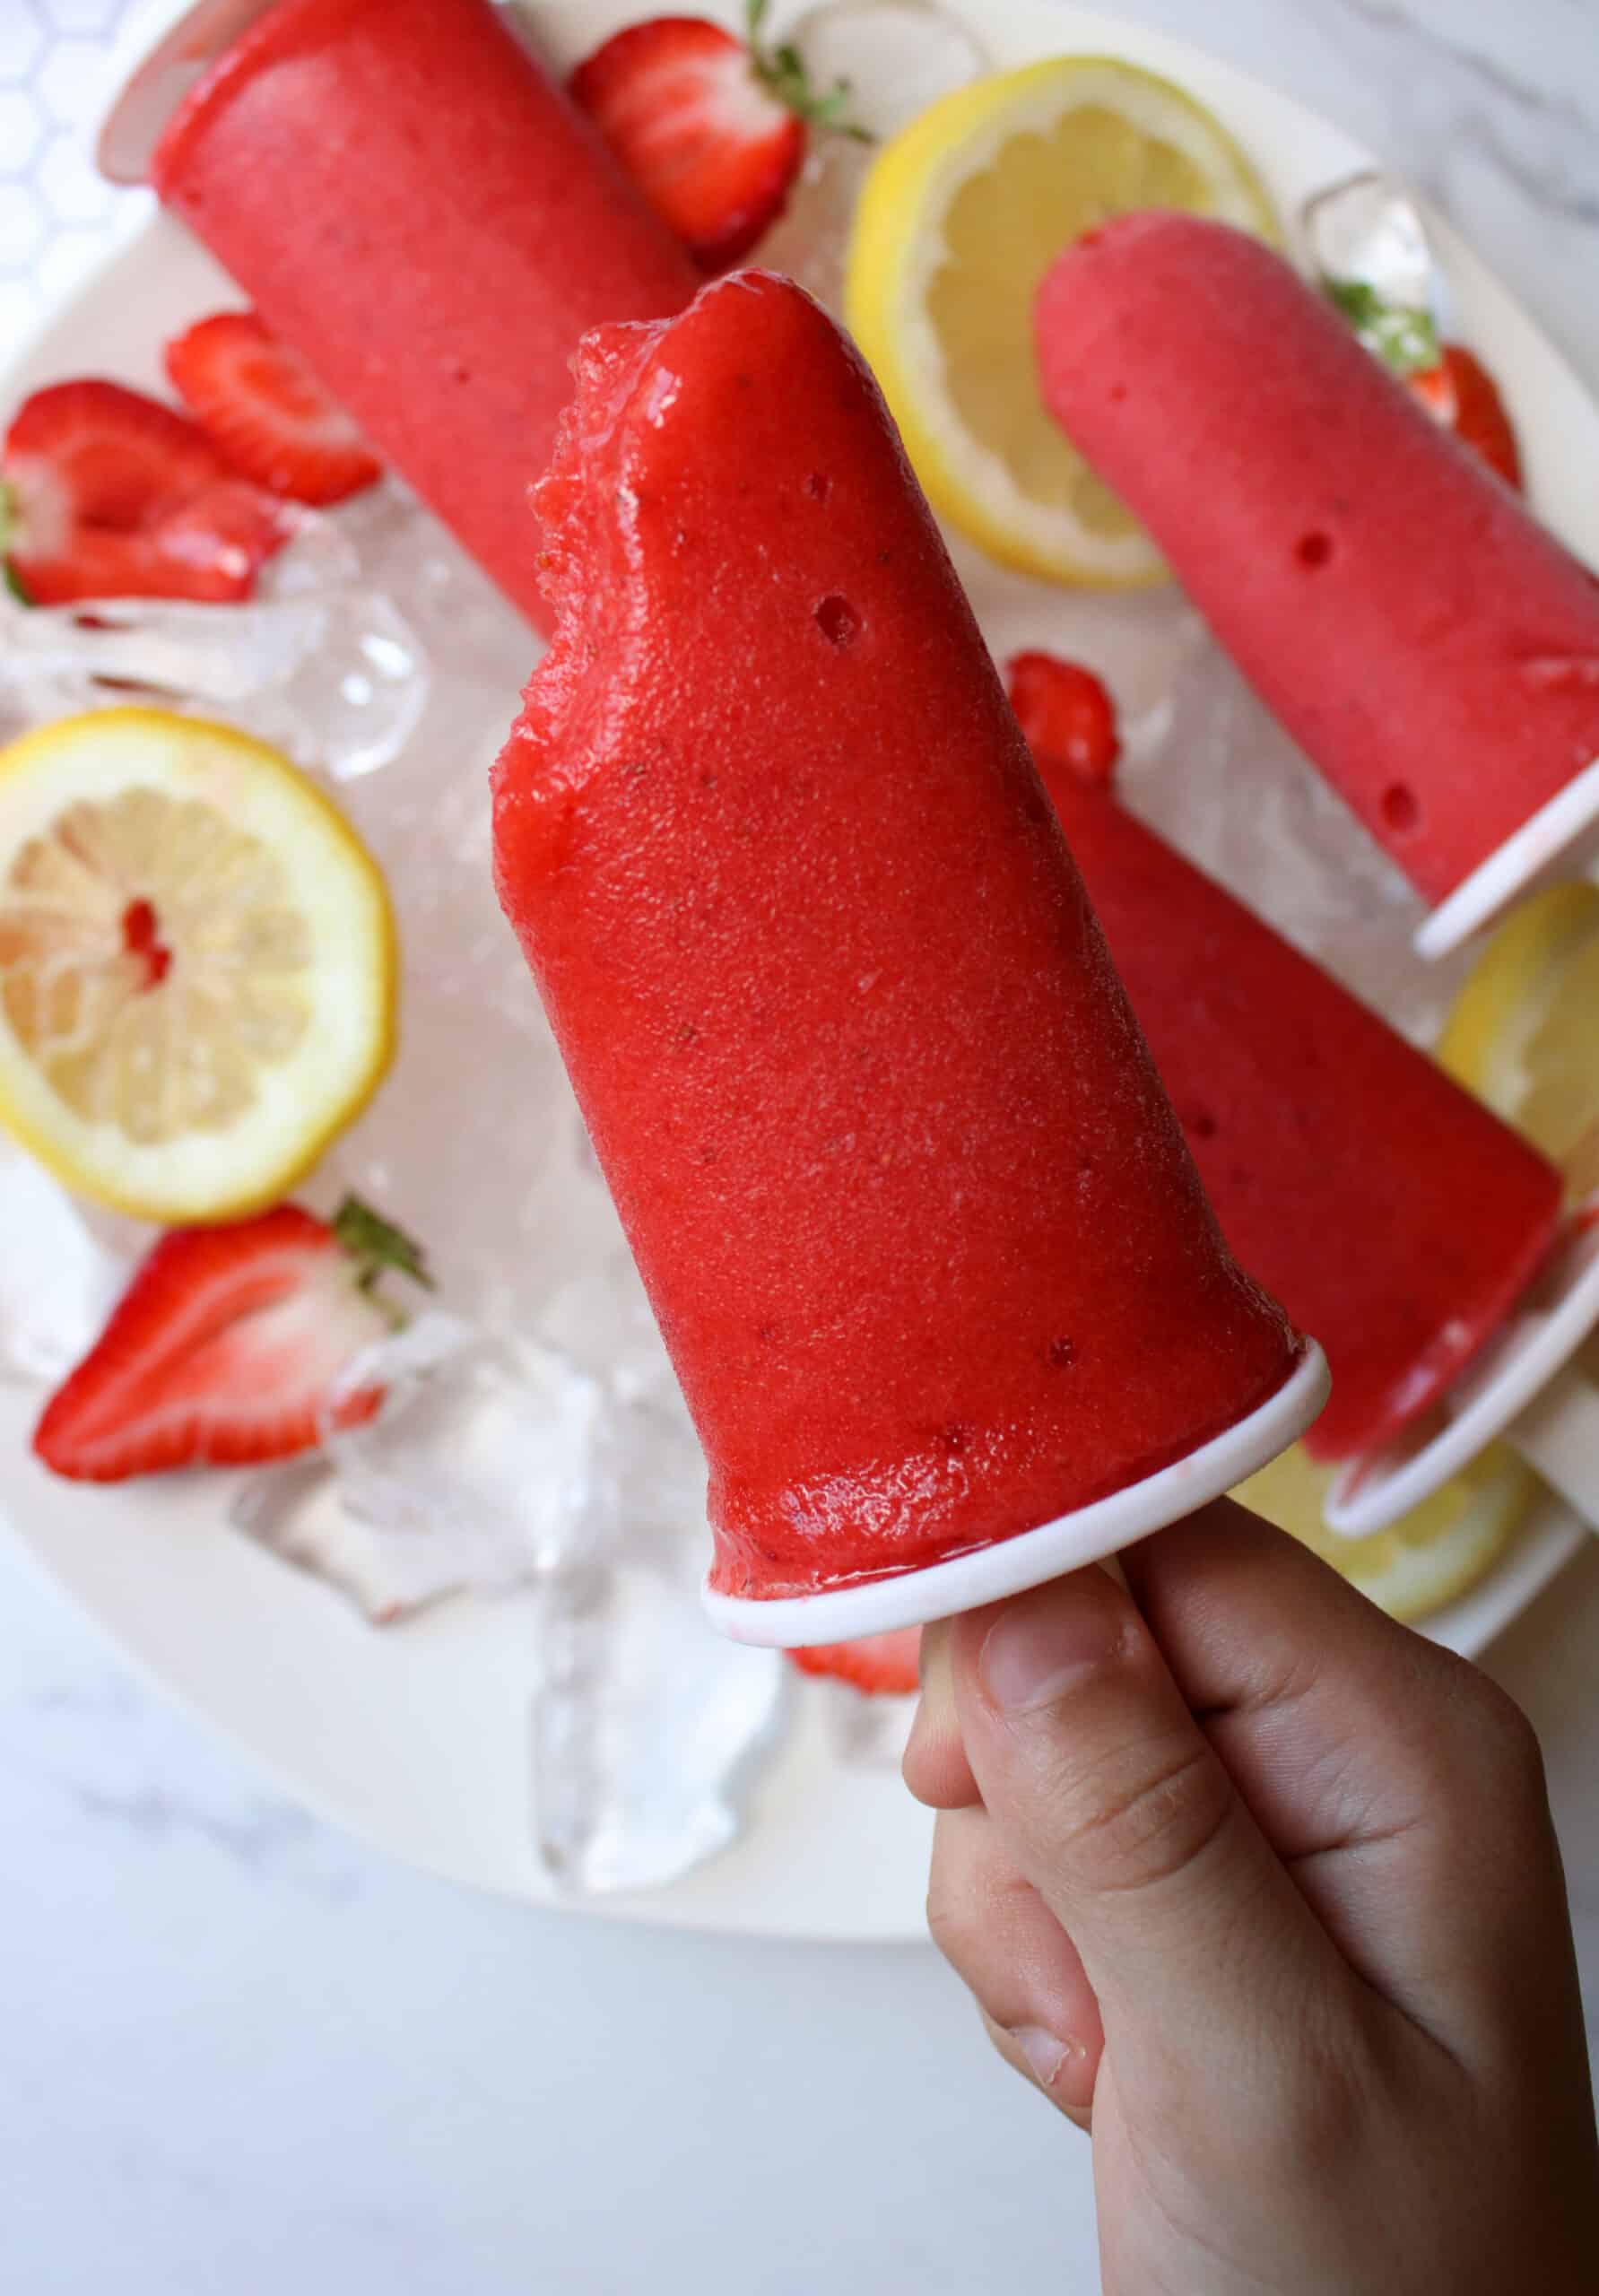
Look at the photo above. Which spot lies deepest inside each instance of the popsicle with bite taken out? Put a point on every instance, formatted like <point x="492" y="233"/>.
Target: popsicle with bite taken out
<point x="916" y="1219"/>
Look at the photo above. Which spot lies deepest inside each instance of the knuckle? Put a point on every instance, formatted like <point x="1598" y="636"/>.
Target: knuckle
<point x="1511" y="1742"/>
<point x="1145" y="1817"/>
<point x="953" y="1926"/>
<point x="1498" y="1748"/>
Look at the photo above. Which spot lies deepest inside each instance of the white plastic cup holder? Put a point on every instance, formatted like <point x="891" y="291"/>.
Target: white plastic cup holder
<point x="1525" y="1391"/>
<point x="169" y="45"/>
<point x="1089" y="1534"/>
<point x="1549" y="842"/>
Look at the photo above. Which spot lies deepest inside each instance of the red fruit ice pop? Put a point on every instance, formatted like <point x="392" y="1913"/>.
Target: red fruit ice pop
<point x="915" y="1217"/>
<point x="417" y="208"/>
<point x="1433" y="648"/>
<point x="1393" y="1215"/>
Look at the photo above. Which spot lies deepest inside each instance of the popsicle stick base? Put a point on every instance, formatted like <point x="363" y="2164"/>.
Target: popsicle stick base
<point x="1088" y="1535"/>
<point x="1523" y="1364"/>
<point x="1516" y="868"/>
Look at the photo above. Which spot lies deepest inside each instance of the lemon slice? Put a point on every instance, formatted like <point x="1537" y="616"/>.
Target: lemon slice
<point x="1430" y="1557"/>
<point x="197" y="964"/>
<point x="959" y="220"/>
<point x="1524" y="1035"/>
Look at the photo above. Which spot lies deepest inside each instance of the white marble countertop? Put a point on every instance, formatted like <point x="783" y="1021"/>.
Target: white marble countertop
<point x="243" y="2054"/>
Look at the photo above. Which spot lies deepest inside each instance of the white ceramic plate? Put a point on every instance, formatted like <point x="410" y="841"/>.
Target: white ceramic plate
<point x="416" y="1739"/>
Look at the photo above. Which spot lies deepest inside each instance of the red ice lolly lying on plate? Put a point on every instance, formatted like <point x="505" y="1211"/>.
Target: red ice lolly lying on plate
<point x="410" y="201"/>
<point x="914" y="1215"/>
<point x="1392" y="1214"/>
<point x="1433" y="650"/>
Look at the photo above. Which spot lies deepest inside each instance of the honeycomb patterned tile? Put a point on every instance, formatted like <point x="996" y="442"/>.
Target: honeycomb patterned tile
<point x="21" y="39"/>
<point x="22" y="131"/>
<point x="56" y="216"/>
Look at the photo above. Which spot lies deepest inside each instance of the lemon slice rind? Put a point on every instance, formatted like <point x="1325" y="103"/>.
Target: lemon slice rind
<point x="1430" y="1557"/>
<point x="898" y="247"/>
<point x="299" y="1102"/>
<point x="1496" y="1041"/>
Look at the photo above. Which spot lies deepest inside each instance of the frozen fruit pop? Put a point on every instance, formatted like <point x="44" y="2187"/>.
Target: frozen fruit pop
<point x="917" y="1220"/>
<point x="1433" y="649"/>
<point x="420" y="211"/>
<point x="1392" y="1214"/>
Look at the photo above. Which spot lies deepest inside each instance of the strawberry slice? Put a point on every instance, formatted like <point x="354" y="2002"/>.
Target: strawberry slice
<point x="263" y="407"/>
<point x="1066" y="715"/>
<point x="1461" y="394"/>
<point x="712" y="129"/>
<point x="884" y="1666"/>
<point x="228" y="1348"/>
<point x="105" y="494"/>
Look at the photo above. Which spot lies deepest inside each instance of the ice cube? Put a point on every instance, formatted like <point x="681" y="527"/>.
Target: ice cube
<point x="1367" y="244"/>
<point x="477" y="1475"/>
<point x="337" y="678"/>
<point x="299" y="1511"/>
<point x="485" y="1442"/>
<point x="896" y="57"/>
<point x="648" y="1728"/>
<point x="59" y="1283"/>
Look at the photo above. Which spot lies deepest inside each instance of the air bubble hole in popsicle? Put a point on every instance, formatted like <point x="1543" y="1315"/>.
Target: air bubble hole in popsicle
<point x="838" y="621"/>
<point x="1401" y="809"/>
<point x="1313" y="550"/>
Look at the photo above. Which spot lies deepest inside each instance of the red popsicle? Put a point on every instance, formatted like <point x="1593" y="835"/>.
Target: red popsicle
<point x="1395" y="1216"/>
<point x="415" y="206"/>
<point x="917" y="1220"/>
<point x="1433" y="650"/>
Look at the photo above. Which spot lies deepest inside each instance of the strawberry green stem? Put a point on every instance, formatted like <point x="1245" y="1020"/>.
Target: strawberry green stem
<point x="781" y="72"/>
<point x="378" y="1246"/>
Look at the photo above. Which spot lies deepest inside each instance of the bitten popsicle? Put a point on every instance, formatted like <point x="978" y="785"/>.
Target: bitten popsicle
<point x="1393" y="1215"/>
<point x="917" y="1220"/>
<point x="414" y="203"/>
<point x="1433" y="650"/>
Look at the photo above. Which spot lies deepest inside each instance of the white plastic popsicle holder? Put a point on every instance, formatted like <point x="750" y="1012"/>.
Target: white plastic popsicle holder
<point x="1010" y="1566"/>
<point x="1527" y="1391"/>
<point x="1561" y="839"/>
<point x="170" y="45"/>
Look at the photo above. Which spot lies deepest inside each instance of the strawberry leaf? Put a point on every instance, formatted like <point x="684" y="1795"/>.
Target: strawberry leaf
<point x="379" y="1246"/>
<point x="782" y="73"/>
<point x="1405" y="339"/>
<point x="8" y="525"/>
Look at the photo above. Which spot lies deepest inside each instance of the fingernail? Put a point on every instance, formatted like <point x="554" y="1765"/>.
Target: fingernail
<point x="1046" y="2056"/>
<point x="1045" y="1643"/>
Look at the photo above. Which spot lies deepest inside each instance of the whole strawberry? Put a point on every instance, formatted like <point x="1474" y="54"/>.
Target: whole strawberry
<point x="1066" y="713"/>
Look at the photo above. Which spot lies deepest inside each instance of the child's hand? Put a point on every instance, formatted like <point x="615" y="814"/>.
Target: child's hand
<point x="1263" y="1888"/>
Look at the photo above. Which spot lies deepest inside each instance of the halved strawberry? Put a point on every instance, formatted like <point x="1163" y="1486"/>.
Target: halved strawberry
<point x="712" y="129"/>
<point x="263" y="407"/>
<point x="882" y="1664"/>
<point x="105" y="494"/>
<point x="1067" y="713"/>
<point x="1461" y="394"/>
<point x="228" y="1347"/>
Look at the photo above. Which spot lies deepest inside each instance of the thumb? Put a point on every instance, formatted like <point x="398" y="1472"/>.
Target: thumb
<point x="1113" y="1803"/>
